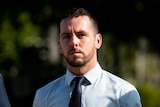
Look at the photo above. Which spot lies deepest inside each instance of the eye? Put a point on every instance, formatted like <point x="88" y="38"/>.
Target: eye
<point x="66" y="36"/>
<point x="80" y="35"/>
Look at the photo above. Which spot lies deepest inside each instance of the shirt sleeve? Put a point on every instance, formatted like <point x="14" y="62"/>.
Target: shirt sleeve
<point x="130" y="99"/>
<point x="38" y="101"/>
<point x="35" y="101"/>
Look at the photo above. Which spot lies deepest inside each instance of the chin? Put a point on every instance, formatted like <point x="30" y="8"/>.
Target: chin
<point x="76" y="64"/>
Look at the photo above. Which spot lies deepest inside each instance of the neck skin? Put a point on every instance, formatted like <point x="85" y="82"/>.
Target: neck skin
<point x="85" y="68"/>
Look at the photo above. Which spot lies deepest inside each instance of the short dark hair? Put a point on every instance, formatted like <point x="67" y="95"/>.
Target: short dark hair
<point x="76" y="12"/>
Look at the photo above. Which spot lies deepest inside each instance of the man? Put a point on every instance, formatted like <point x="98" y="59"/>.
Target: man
<point x="4" y="101"/>
<point x="79" y="42"/>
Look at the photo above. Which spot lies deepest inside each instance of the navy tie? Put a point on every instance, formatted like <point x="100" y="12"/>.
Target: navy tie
<point x="75" y="100"/>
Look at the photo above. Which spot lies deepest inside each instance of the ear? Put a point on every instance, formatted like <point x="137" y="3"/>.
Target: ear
<point x="60" y="49"/>
<point x="98" y="40"/>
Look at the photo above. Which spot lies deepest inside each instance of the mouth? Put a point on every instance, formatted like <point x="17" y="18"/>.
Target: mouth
<point x="74" y="52"/>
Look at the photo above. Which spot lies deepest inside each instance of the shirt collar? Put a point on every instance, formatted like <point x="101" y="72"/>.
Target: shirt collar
<point x="91" y="75"/>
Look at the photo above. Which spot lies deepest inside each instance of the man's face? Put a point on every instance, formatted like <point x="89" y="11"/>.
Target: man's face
<point x="78" y="41"/>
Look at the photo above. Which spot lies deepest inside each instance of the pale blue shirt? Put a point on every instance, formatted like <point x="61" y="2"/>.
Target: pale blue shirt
<point x="106" y="90"/>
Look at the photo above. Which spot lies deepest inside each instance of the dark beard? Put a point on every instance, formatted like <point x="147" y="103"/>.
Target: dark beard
<point x="76" y="64"/>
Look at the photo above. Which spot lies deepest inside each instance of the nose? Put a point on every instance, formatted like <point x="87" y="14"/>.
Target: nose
<point x="74" y="40"/>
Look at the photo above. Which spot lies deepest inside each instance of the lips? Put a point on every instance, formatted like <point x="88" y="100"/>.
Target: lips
<point x="74" y="51"/>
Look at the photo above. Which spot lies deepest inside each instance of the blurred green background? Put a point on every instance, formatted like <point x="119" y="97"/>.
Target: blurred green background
<point x="29" y="56"/>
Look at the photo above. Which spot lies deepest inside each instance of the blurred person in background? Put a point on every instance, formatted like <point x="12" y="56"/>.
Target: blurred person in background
<point x="4" y="101"/>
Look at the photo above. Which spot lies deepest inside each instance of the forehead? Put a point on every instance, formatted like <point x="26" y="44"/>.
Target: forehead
<point x="75" y="23"/>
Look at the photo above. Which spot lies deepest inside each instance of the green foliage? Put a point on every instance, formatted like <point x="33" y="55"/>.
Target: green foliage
<point x="149" y="95"/>
<point x="28" y="33"/>
<point x="7" y="41"/>
<point x="14" y="39"/>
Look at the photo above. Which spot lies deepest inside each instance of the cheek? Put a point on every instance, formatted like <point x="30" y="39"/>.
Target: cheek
<point x="60" y="51"/>
<point x="88" y="46"/>
<point x="63" y="49"/>
<point x="59" y="47"/>
<point x="90" y="43"/>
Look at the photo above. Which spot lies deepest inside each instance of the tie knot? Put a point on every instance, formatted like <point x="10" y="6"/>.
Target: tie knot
<point x="80" y="80"/>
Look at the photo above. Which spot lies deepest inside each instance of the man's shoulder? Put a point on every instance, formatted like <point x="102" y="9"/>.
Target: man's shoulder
<point x="117" y="80"/>
<point x="51" y="85"/>
<point x="48" y="90"/>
